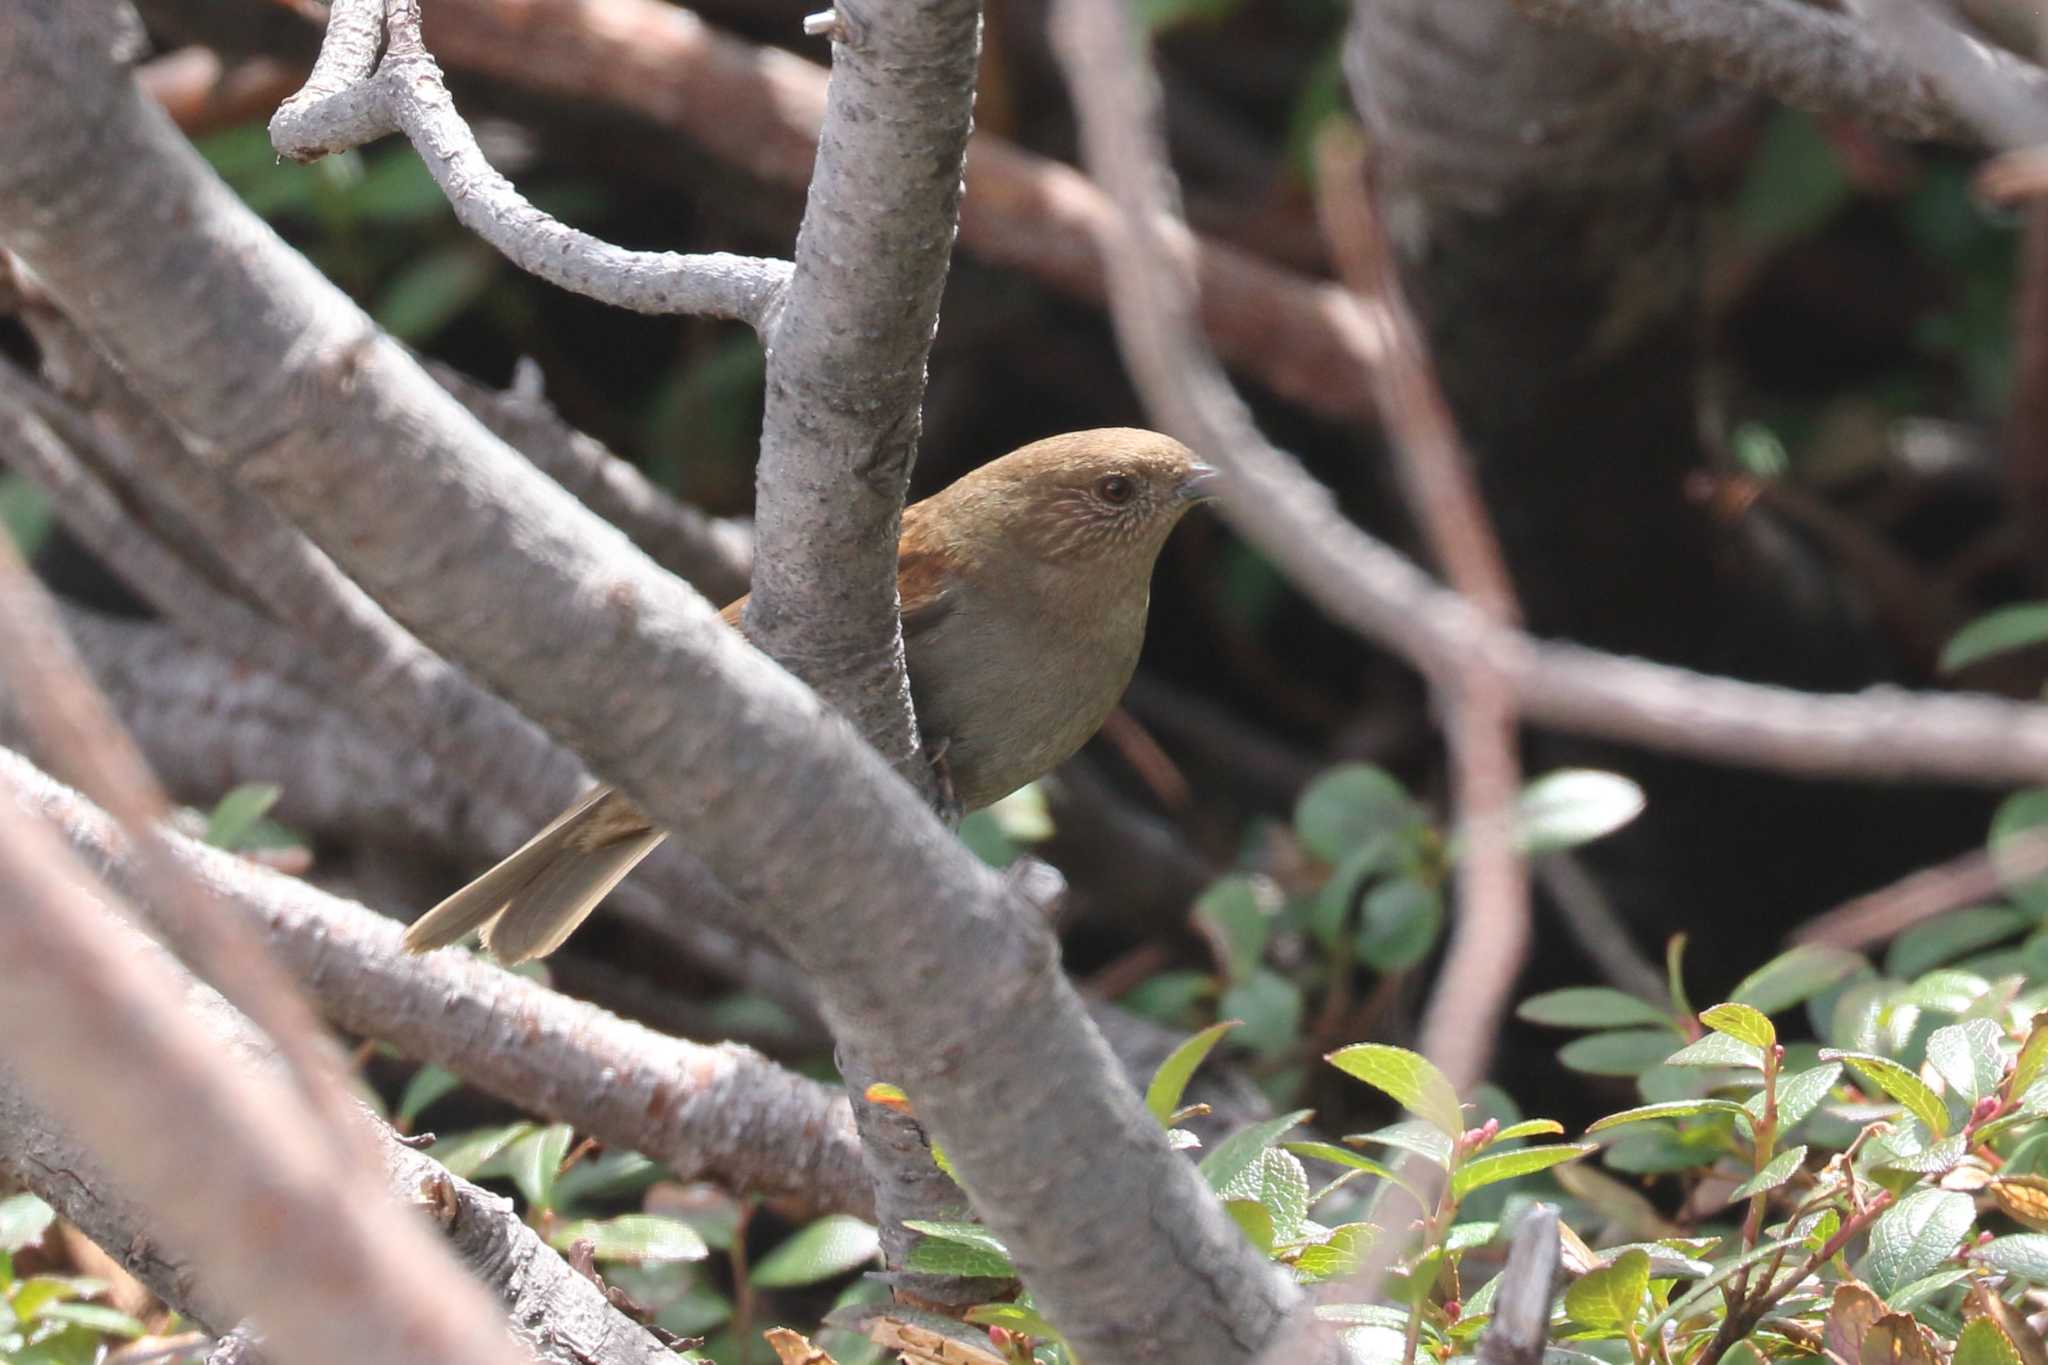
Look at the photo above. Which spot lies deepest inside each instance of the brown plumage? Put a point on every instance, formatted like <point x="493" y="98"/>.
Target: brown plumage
<point x="1023" y="587"/>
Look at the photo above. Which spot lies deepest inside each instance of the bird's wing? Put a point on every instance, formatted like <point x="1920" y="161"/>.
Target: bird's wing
<point x="925" y="574"/>
<point x="922" y="579"/>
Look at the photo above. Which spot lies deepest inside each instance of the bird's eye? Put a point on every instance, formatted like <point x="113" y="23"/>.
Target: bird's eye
<point x="1115" y="489"/>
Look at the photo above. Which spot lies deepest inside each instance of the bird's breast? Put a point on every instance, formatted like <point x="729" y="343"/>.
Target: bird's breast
<point x="1013" y="695"/>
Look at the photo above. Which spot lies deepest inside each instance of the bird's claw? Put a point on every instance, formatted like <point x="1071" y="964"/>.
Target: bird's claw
<point x="947" y="800"/>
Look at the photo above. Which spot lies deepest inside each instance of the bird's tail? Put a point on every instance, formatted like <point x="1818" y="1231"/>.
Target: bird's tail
<point x="530" y="902"/>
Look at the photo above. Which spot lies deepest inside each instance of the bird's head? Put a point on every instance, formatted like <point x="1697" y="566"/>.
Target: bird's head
<point x="1088" y="497"/>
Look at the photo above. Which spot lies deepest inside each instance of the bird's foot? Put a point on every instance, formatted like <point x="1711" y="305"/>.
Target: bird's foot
<point x="947" y="800"/>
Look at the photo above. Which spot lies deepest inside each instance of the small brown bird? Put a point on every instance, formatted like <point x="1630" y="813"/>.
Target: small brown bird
<point x="1024" y="588"/>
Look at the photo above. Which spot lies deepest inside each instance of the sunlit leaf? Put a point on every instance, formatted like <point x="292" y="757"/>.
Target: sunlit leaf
<point x="1969" y="1057"/>
<point x="1611" y="1296"/>
<point x="640" y="1237"/>
<point x="1899" y="1083"/>
<point x="1718" y="1049"/>
<point x="1170" y="1081"/>
<point x="23" y="1220"/>
<point x="1236" y="1153"/>
<point x="1780" y="1169"/>
<point x="1498" y="1166"/>
<point x="1741" y="1023"/>
<point x="1914" y="1236"/>
<point x="1406" y="1077"/>
<point x="1575" y="806"/>
<point x="1669" y="1109"/>
<point x="235" y="814"/>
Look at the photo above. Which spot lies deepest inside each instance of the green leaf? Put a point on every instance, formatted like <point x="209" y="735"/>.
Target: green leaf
<point x="1983" y="1342"/>
<point x="1255" y="1221"/>
<point x="1408" y="1078"/>
<point x="1236" y="1153"/>
<point x="1793" y="977"/>
<point x="535" y="1160"/>
<point x="1346" y="806"/>
<point x="25" y="515"/>
<point x="1426" y="1140"/>
<point x="964" y="1249"/>
<point x="1401" y="922"/>
<point x="1741" y="1023"/>
<point x="1798" y="1095"/>
<point x="1270" y="1007"/>
<point x="1969" y="1057"/>
<point x="1718" y="1049"/>
<point x="1619" y="1052"/>
<point x="1947" y="937"/>
<point x="2033" y="1057"/>
<point x="237" y="813"/>
<point x="1171" y="996"/>
<point x="1341" y="894"/>
<point x="2023" y="1255"/>
<point x="2016" y="815"/>
<point x="465" y="1154"/>
<point x="1341" y="1253"/>
<point x="2001" y="631"/>
<point x="1914" y="1236"/>
<point x="97" y="1317"/>
<point x="1498" y="1166"/>
<point x="640" y="1237"/>
<point x="1574" y="806"/>
<point x="1343" y="1156"/>
<point x="1590" y="1007"/>
<point x="1466" y="1236"/>
<point x="1528" y="1128"/>
<point x="1170" y="1081"/>
<point x="822" y="1250"/>
<point x="23" y="1220"/>
<point x="434" y="289"/>
<point x="1679" y="1309"/>
<point x="428" y="1084"/>
<point x="1669" y="1109"/>
<point x="1612" y="1295"/>
<point x="1793" y="186"/>
<point x="1780" y="1169"/>
<point x="1276" y="1182"/>
<point x="1901" y="1084"/>
<point x="1237" y="914"/>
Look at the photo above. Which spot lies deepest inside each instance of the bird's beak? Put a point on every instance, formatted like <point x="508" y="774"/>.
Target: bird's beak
<point x="1199" y="485"/>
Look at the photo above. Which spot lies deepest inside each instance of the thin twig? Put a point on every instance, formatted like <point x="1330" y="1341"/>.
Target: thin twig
<point x="355" y="95"/>
<point x="1964" y="880"/>
<point x="1490" y="934"/>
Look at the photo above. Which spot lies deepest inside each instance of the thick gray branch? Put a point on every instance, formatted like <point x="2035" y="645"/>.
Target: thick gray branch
<point x="353" y="98"/>
<point x="917" y="951"/>
<point x="560" y="1315"/>
<point x="1807" y="56"/>
<point x="722" y="1113"/>
<point x="846" y="364"/>
<point x="243" y="1184"/>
